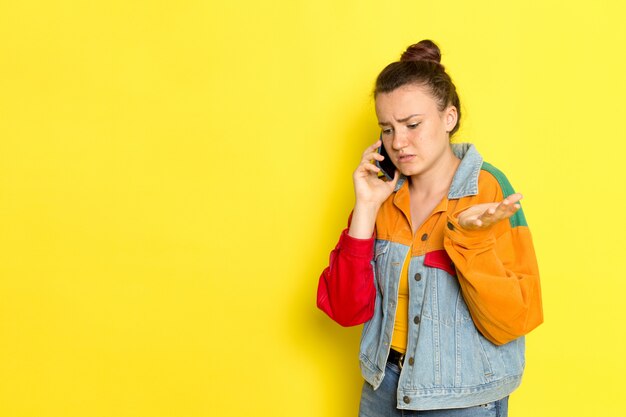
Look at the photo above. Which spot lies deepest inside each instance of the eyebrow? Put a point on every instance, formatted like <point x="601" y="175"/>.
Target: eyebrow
<point x="401" y="120"/>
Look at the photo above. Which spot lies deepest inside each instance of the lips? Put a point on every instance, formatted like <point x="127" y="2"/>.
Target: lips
<point x="405" y="158"/>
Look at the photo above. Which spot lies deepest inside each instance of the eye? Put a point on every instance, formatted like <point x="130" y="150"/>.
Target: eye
<point x="413" y="125"/>
<point x="387" y="131"/>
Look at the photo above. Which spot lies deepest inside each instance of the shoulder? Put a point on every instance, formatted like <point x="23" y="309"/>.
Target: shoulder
<point x="492" y="183"/>
<point x="491" y="177"/>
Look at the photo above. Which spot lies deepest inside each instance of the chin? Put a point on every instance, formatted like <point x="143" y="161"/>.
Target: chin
<point x="409" y="172"/>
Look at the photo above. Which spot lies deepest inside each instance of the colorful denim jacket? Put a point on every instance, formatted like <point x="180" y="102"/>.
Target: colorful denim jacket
<point x="473" y="294"/>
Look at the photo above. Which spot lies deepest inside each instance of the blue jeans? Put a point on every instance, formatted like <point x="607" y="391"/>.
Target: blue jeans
<point x="382" y="402"/>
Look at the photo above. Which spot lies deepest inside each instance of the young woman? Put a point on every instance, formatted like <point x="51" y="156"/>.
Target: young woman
<point x="437" y="262"/>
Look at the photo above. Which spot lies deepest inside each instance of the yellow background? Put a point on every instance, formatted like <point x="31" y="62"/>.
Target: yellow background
<point x="173" y="176"/>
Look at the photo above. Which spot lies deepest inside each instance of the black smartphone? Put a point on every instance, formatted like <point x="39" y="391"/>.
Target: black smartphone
<point x="386" y="166"/>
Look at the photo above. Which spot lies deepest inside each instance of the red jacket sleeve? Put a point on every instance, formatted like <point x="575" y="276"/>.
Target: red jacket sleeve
<point x="346" y="290"/>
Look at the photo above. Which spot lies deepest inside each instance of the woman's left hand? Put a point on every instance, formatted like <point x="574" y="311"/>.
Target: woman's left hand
<point x="483" y="216"/>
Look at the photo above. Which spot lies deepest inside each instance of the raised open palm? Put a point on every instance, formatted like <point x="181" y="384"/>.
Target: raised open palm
<point x="483" y="216"/>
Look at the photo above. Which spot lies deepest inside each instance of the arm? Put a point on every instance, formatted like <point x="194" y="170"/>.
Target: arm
<point x="346" y="289"/>
<point x="497" y="271"/>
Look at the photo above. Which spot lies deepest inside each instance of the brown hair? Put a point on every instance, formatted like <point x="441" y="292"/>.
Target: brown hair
<point x="420" y="64"/>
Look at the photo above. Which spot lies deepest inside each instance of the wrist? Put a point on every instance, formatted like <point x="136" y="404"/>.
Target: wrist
<point x="457" y="233"/>
<point x="363" y="220"/>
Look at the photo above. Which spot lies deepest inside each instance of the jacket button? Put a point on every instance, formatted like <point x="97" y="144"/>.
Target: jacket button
<point x="406" y="399"/>
<point x="418" y="276"/>
<point x="424" y="236"/>
<point x="416" y="319"/>
<point x="411" y="361"/>
<point x="450" y="226"/>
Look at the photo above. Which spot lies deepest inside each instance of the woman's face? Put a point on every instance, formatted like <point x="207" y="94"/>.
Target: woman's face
<point x="415" y="133"/>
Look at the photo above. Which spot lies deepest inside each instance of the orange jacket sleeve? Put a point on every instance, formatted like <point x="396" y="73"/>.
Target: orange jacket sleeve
<point x="499" y="277"/>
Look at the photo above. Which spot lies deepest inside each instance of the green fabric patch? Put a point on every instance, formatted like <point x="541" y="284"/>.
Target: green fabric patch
<point x="518" y="218"/>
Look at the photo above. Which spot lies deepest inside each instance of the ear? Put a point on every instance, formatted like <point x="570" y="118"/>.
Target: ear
<point x="451" y="117"/>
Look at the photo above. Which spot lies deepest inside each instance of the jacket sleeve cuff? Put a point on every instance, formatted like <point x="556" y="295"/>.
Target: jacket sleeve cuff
<point x="468" y="238"/>
<point x="362" y="248"/>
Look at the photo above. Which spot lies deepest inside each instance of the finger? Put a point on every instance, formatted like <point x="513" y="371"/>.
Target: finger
<point x="511" y="205"/>
<point x="513" y="198"/>
<point x="372" y="155"/>
<point x="372" y="147"/>
<point x="371" y="168"/>
<point x="394" y="181"/>
<point x="512" y="210"/>
<point x="489" y="214"/>
<point x="501" y="212"/>
<point x="507" y="206"/>
<point x="365" y="169"/>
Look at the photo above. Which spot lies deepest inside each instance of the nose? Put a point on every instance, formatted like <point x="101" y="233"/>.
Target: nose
<point x="399" y="140"/>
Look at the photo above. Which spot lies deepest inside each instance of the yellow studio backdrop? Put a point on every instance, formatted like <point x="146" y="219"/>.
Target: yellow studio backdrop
<point x="173" y="176"/>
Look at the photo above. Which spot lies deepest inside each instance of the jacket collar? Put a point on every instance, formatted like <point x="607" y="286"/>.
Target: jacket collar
<point x="465" y="180"/>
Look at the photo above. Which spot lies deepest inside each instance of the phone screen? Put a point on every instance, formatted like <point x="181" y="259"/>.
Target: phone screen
<point x="386" y="166"/>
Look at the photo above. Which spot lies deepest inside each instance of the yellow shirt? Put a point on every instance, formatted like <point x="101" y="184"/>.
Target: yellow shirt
<point x="401" y="325"/>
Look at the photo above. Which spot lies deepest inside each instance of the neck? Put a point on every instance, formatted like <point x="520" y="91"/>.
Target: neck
<point x="437" y="179"/>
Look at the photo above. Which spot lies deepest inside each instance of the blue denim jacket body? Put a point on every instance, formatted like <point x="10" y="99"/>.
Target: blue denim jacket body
<point x="453" y="365"/>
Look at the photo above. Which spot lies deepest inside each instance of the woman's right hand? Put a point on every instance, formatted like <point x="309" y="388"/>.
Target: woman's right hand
<point x="370" y="192"/>
<point x="369" y="189"/>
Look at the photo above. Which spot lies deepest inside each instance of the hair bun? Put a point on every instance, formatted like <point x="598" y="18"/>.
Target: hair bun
<point x="425" y="50"/>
